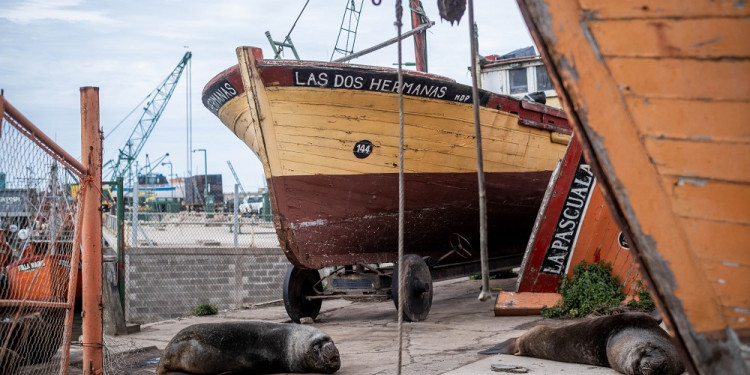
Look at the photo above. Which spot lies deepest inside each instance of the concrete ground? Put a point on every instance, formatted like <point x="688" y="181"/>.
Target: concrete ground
<point x="366" y="334"/>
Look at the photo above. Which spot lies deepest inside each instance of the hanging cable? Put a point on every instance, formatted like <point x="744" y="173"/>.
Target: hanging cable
<point x="137" y="107"/>
<point x="485" y="294"/>
<point x="401" y="269"/>
<point x="286" y="38"/>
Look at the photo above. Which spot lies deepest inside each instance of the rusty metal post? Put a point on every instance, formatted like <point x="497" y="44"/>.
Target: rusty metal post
<point x="420" y="38"/>
<point x="91" y="249"/>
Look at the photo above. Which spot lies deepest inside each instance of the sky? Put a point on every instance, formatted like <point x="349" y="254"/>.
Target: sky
<point x="51" y="48"/>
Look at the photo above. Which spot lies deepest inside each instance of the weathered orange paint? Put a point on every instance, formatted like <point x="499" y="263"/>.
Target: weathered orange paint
<point x="40" y="277"/>
<point x="727" y="161"/>
<point x="91" y="236"/>
<point x="708" y="236"/>
<point x="525" y="303"/>
<point x="604" y="9"/>
<point x="700" y="120"/>
<point x="597" y="241"/>
<point x="659" y="93"/>
<point x="672" y="37"/>
<point x="683" y="75"/>
<point x="710" y="200"/>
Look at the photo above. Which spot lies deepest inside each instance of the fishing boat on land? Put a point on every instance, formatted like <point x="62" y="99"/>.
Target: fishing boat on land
<point x="38" y="263"/>
<point x="37" y="241"/>
<point x="574" y="225"/>
<point x="659" y="94"/>
<point x="327" y="136"/>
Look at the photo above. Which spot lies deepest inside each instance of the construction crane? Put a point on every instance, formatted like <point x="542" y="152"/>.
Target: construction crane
<point x="151" y="113"/>
<point x="149" y="167"/>
<point x="235" y="177"/>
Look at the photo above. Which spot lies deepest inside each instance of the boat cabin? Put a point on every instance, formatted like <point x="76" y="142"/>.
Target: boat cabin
<point x="517" y="73"/>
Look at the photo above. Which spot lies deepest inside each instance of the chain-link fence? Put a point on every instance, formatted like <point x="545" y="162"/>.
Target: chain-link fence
<point x="166" y="262"/>
<point x="190" y="229"/>
<point x="37" y="230"/>
<point x="176" y="263"/>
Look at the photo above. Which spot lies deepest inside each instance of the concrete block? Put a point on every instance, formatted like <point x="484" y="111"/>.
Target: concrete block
<point x="524" y="303"/>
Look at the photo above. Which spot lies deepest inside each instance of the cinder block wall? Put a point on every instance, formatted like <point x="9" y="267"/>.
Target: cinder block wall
<point x="167" y="283"/>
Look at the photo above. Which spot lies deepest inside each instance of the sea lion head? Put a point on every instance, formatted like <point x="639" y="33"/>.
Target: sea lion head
<point x="645" y="350"/>
<point x="323" y="356"/>
<point x="653" y="360"/>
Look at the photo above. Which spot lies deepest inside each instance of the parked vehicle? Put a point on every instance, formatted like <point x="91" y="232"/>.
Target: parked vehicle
<point x="251" y="205"/>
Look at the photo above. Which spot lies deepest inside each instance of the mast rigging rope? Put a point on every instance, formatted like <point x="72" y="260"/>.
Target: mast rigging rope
<point x="281" y="47"/>
<point x="402" y="271"/>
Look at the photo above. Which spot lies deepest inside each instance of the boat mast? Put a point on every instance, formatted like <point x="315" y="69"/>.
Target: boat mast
<point x="420" y="38"/>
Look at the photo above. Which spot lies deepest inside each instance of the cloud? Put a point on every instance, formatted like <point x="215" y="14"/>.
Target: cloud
<point x="50" y="48"/>
<point x="60" y="10"/>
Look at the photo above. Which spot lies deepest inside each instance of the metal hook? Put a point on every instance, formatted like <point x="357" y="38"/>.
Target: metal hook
<point x="376" y="2"/>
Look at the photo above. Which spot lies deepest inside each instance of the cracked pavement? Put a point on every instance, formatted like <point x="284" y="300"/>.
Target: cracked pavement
<point x="366" y="334"/>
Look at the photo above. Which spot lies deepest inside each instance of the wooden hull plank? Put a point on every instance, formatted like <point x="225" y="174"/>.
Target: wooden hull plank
<point x="696" y="120"/>
<point x="635" y="9"/>
<point x="655" y="184"/>
<point x="677" y="38"/>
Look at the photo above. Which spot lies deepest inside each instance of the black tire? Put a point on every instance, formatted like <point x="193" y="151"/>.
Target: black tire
<point x="298" y="284"/>
<point x="417" y="288"/>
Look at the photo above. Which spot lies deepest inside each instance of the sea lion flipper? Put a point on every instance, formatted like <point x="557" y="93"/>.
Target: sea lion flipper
<point x="506" y="347"/>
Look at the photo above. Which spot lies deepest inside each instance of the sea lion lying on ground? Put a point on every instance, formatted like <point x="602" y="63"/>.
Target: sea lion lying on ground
<point x="249" y="347"/>
<point x="631" y="343"/>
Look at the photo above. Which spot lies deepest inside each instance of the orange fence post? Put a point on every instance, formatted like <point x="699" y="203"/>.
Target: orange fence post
<point x="91" y="154"/>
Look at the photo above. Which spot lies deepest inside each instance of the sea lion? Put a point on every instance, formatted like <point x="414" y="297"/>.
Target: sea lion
<point x="631" y="343"/>
<point x="249" y="347"/>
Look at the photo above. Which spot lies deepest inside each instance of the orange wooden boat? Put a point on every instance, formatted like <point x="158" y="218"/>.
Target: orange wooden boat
<point x="40" y="269"/>
<point x="574" y="225"/>
<point x="659" y="93"/>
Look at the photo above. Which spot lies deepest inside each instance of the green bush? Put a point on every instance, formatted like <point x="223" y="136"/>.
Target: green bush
<point x="592" y="288"/>
<point x="643" y="300"/>
<point x="204" y="309"/>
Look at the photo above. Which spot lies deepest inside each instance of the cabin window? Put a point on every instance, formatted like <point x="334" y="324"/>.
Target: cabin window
<point x="518" y="81"/>
<point x="542" y="79"/>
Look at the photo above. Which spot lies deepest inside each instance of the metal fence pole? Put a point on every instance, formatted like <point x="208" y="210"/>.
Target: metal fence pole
<point x="134" y="210"/>
<point x="121" y="239"/>
<point x="236" y="208"/>
<point x="91" y="151"/>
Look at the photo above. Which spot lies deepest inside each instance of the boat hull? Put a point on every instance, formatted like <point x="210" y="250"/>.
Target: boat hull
<point x="659" y="96"/>
<point x="363" y="224"/>
<point x="328" y="138"/>
<point x="41" y="278"/>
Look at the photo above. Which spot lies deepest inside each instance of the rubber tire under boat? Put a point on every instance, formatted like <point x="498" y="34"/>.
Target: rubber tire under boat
<point x="299" y="283"/>
<point x="417" y="287"/>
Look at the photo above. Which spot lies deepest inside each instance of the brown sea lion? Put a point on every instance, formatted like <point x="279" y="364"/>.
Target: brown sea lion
<point x="249" y="347"/>
<point x="630" y="343"/>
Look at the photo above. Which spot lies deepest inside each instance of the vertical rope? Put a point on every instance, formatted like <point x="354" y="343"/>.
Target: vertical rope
<point x="401" y="270"/>
<point x="485" y="294"/>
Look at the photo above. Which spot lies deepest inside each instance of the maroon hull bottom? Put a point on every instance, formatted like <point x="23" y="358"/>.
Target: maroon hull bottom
<point x="328" y="220"/>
